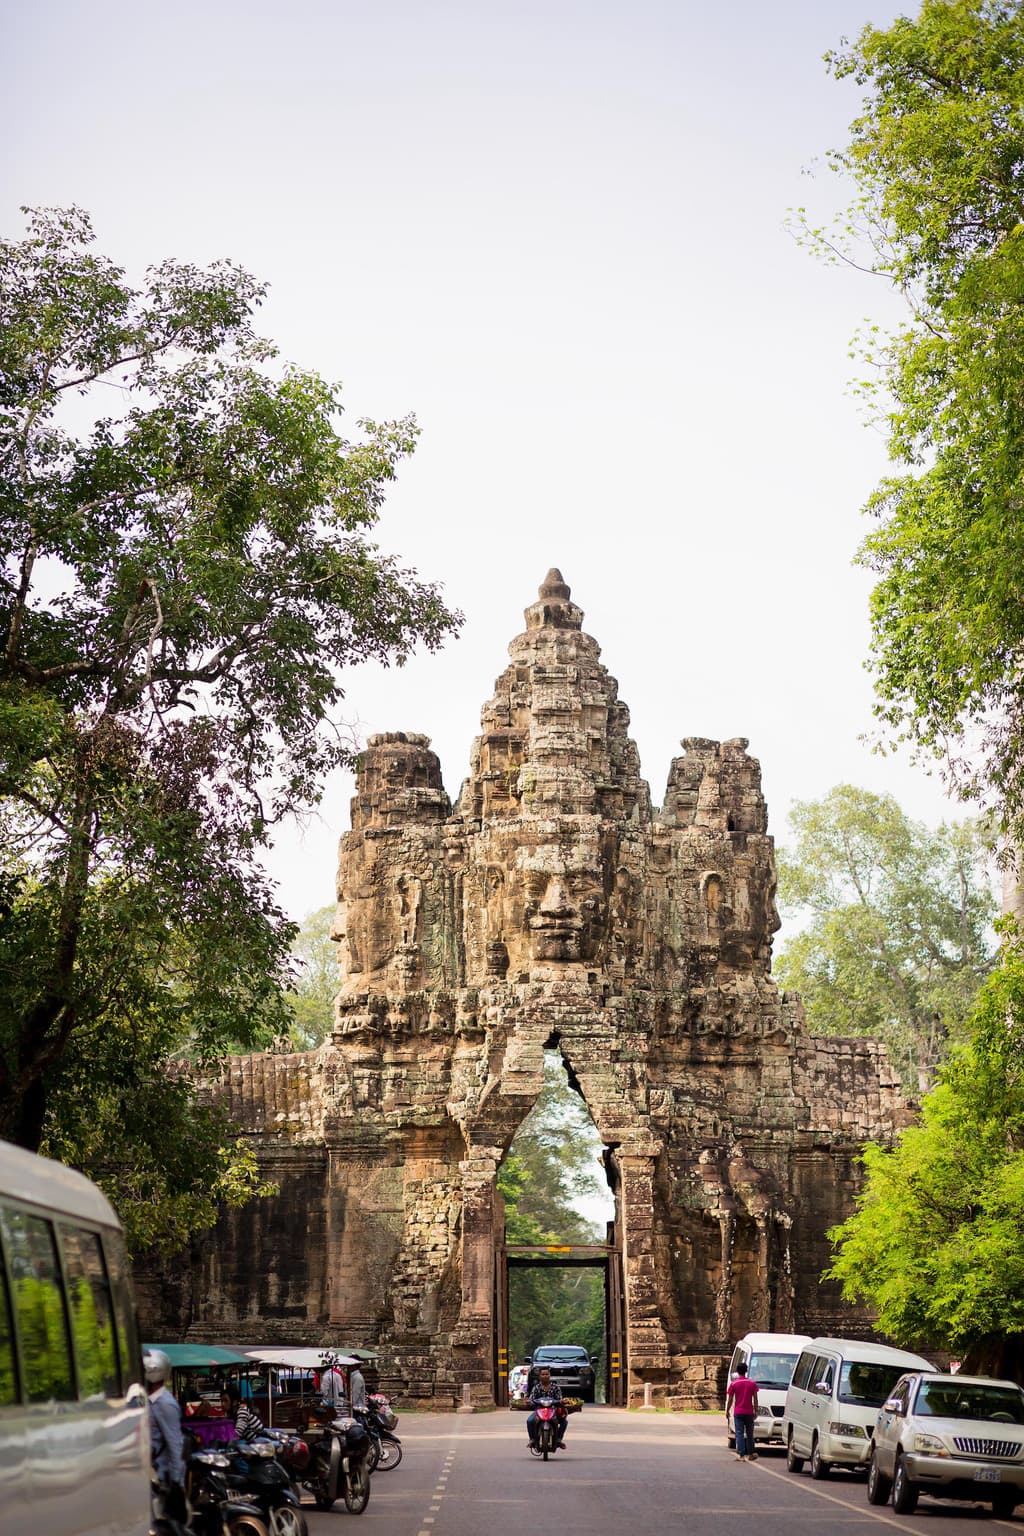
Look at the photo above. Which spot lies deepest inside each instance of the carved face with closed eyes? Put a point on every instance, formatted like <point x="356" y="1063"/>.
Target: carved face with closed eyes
<point x="563" y="916"/>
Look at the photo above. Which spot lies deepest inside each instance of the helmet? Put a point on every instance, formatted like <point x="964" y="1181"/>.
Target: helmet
<point x="296" y="1454"/>
<point x="156" y="1365"/>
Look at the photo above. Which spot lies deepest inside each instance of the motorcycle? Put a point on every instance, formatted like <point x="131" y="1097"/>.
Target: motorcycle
<point x="212" y="1510"/>
<point x="256" y="1474"/>
<point x="338" y="1465"/>
<point x="548" y="1410"/>
<point x="378" y="1418"/>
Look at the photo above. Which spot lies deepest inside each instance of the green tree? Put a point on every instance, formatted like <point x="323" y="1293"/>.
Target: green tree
<point x="182" y="583"/>
<point x="311" y="997"/>
<point x="938" y="157"/>
<point x="897" y="924"/>
<point x="936" y="1245"/>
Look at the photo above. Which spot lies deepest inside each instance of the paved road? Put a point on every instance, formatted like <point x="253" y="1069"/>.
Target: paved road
<point x="622" y="1475"/>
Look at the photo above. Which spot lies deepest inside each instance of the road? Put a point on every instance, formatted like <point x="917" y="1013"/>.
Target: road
<point x="622" y="1474"/>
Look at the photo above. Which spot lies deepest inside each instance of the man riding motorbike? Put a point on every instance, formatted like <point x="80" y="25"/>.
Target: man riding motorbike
<point x="550" y="1389"/>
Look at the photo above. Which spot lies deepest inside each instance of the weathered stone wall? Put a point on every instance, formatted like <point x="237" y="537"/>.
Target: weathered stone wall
<point x="552" y="907"/>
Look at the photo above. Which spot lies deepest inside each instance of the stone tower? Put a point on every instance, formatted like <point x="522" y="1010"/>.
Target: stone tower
<point x="552" y="908"/>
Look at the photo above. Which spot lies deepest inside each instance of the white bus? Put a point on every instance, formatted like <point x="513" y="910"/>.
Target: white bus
<point x="74" y="1424"/>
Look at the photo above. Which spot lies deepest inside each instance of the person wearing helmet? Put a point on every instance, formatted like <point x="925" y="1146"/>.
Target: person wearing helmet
<point x="166" y="1435"/>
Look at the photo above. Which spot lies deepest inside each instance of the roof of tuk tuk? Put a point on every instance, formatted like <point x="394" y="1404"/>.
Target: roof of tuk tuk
<point x="199" y="1357"/>
<point x="305" y="1359"/>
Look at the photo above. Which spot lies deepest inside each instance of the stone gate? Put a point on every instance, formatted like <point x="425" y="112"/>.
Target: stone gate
<point x="552" y="908"/>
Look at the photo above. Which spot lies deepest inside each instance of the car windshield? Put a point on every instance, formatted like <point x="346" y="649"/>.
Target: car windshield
<point x="555" y="1353"/>
<point x="771" y="1370"/>
<point x="867" y="1385"/>
<point x="949" y="1399"/>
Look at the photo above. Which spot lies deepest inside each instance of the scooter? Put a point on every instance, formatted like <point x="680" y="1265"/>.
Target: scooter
<point x="547" y="1411"/>
<point x="212" y="1510"/>
<point x="338" y="1465"/>
<point x="378" y="1418"/>
<point x="256" y="1474"/>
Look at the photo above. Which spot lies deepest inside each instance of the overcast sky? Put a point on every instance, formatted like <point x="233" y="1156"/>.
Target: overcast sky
<point x="556" y="231"/>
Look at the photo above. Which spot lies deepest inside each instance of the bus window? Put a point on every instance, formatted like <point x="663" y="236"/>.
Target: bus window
<point x="8" y="1378"/>
<point x="92" y="1313"/>
<point x="128" y="1347"/>
<point x="38" y="1298"/>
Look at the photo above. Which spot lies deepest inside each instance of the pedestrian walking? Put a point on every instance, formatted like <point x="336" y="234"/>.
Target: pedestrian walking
<point x="741" y="1393"/>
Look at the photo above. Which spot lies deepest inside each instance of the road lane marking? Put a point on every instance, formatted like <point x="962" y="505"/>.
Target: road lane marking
<point x="872" y="1511"/>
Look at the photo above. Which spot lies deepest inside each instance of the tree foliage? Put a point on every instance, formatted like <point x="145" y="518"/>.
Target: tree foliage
<point x="185" y="574"/>
<point x="897" y="924"/>
<point x="938" y="156"/>
<point x="311" y="996"/>
<point x="936" y="1245"/>
<point x="551" y="1165"/>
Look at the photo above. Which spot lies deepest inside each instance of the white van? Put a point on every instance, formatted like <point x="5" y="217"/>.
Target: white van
<point x="770" y="1359"/>
<point x="833" y="1400"/>
<point x="74" y="1419"/>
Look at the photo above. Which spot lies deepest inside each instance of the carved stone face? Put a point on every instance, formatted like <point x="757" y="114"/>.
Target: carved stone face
<point x="555" y="907"/>
<point x="566" y="921"/>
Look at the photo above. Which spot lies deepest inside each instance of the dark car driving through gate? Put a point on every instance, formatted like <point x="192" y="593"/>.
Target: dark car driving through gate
<point x="570" y="1366"/>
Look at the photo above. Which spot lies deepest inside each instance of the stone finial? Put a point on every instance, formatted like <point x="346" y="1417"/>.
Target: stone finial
<point x="554" y="608"/>
<point x="554" y="585"/>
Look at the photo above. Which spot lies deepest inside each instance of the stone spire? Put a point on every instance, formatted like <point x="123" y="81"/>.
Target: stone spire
<point x="555" y="738"/>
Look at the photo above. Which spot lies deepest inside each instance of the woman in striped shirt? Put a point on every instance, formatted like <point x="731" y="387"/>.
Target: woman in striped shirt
<point x="248" y="1425"/>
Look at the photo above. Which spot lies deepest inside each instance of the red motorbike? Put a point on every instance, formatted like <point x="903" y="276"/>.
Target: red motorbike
<point x="548" y="1411"/>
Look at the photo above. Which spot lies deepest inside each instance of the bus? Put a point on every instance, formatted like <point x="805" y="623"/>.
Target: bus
<point x="74" y="1421"/>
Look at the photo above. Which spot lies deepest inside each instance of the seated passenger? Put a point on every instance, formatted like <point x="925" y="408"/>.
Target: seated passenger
<point x="248" y="1425"/>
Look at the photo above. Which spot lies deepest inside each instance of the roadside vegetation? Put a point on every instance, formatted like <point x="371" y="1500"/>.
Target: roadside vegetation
<point x="937" y="156"/>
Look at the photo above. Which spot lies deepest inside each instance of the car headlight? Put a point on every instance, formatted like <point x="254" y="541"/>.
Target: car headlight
<point x="931" y="1444"/>
<point x="837" y="1427"/>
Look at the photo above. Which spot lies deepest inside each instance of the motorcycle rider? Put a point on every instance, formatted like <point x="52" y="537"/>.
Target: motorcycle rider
<point x="550" y="1389"/>
<point x="166" y="1436"/>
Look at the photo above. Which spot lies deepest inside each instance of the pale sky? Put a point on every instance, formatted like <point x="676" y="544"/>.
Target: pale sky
<point x="555" y="232"/>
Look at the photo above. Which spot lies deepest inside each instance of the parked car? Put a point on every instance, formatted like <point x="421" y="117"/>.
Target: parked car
<point x="833" y="1400"/>
<point x="770" y="1359"/>
<point x="956" y="1437"/>
<point x="569" y="1365"/>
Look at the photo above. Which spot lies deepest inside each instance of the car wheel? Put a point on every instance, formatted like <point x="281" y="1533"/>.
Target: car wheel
<point x="904" y="1492"/>
<point x="879" y="1486"/>
<point x="819" y="1466"/>
<point x="1003" y="1505"/>
<point x="794" y="1463"/>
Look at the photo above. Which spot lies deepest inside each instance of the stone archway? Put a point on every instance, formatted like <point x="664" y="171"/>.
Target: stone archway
<point x="553" y="900"/>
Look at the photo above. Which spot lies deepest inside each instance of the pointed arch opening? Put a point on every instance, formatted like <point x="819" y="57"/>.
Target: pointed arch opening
<point x="559" y="1273"/>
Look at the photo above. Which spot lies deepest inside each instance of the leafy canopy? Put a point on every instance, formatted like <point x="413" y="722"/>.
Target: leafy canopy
<point x="184" y="577"/>
<point x="896" y="936"/>
<point x="936" y="1245"/>
<point x="314" y="987"/>
<point x="938" y="156"/>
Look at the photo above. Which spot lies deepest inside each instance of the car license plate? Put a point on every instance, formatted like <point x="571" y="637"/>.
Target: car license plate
<point x="988" y="1475"/>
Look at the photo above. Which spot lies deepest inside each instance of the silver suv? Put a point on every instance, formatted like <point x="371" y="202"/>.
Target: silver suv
<point x="956" y="1437"/>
